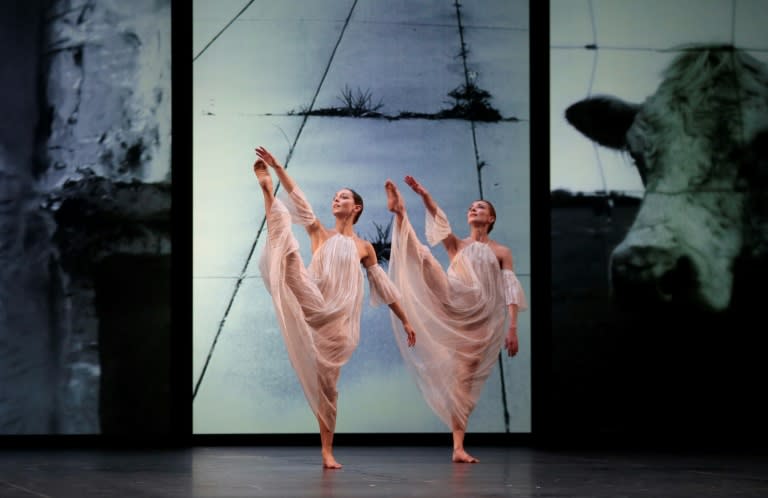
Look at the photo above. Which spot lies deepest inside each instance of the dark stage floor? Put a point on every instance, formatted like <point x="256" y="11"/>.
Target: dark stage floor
<point x="377" y="471"/>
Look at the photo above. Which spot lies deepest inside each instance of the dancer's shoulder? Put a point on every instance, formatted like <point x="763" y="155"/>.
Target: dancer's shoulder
<point x="503" y="254"/>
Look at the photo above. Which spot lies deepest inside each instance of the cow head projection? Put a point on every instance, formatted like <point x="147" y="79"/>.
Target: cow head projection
<point x="699" y="144"/>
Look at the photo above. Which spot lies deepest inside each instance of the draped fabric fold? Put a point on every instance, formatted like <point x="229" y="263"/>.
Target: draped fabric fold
<point x="298" y="205"/>
<point x="317" y="307"/>
<point x="459" y="317"/>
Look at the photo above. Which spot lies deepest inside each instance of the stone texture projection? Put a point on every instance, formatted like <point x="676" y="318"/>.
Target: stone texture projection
<point x="85" y="216"/>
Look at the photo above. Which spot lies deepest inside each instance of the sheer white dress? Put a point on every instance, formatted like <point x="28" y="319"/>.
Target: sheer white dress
<point x="318" y="307"/>
<point x="460" y="316"/>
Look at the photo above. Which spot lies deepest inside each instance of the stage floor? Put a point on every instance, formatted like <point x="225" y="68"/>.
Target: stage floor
<point x="377" y="471"/>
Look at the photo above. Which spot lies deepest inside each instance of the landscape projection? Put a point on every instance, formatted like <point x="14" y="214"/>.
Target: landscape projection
<point x="349" y="94"/>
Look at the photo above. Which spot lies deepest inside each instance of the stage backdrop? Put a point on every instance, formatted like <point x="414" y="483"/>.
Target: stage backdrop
<point x="349" y="93"/>
<point x="85" y="179"/>
<point x="658" y="233"/>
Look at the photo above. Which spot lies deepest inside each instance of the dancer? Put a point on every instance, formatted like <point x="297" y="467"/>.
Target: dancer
<point x="318" y="307"/>
<point x="461" y="313"/>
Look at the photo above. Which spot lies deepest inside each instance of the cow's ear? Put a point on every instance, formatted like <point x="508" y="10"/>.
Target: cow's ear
<point x="603" y="119"/>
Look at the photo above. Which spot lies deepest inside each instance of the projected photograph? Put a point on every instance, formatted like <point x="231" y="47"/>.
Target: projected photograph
<point x="658" y="204"/>
<point x="346" y="94"/>
<point x="85" y="202"/>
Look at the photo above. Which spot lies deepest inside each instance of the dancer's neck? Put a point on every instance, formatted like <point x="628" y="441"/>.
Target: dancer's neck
<point x="345" y="227"/>
<point x="479" y="234"/>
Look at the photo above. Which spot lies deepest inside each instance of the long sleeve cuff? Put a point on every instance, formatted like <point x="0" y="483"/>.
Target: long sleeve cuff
<point x="436" y="227"/>
<point x="513" y="291"/>
<point x="298" y="206"/>
<point x="383" y="291"/>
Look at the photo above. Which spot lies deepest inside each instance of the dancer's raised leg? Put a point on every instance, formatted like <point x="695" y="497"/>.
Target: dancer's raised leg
<point x="265" y="182"/>
<point x="394" y="201"/>
<point x="434" y="274"/>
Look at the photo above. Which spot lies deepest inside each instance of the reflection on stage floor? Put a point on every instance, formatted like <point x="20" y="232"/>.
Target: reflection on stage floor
<point x="376" y="471"/>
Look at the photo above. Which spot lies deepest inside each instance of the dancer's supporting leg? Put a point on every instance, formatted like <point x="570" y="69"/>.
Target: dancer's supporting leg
<point x="327" y="422"/>
<point x="459" y="455"/>
<point x="459" y="425"/>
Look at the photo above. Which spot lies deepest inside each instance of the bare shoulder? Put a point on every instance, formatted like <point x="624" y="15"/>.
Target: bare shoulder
<point x="366" y="251"/>
<point x="499" y="248"/>
<point x="503" y="254"/>
<point x="364" y="245"/>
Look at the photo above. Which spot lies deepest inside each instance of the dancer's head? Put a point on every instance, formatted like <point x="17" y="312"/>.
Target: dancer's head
<point x="482" y="211"/>
<point x="347" y="200"/>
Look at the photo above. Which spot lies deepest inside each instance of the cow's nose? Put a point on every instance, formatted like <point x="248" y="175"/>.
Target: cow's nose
<point x="648" y="275"/>
<point x="679" y="281"/>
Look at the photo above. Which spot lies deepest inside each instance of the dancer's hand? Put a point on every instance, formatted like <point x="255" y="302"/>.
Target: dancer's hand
<point x="415" y="185"/>
<point x="267" y="157"/>
<point x="510" y="342"/>
<point x="411" y="334"/>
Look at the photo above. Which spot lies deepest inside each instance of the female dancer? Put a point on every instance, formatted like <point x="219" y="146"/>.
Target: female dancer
<point x="461" y="313"/>
<point x="318" y="307"/>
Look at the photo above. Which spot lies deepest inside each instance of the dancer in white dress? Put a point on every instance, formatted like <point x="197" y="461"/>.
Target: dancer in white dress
<point x="318" y="307"/>
<point x="462" y="313"/>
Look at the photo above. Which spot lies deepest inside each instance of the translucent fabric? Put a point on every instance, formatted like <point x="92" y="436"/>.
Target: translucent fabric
<point x="459" y="317"/>
<point x="318" y="307"/>
<point x="513" y="291"/>
<point x="382" y="289"/>
<point x="436" y="227"/>
<point x="297" y="204"/>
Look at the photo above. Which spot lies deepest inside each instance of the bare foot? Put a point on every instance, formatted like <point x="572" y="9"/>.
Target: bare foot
<point x="461" y="456"/>
<point x="394" y="201"/>
<point x="262" y="174"/>
<point x="330" y="463"/>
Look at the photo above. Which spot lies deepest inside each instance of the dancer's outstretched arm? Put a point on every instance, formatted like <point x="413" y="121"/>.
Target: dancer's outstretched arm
<point x="451" y="242"/>
<point x="314" y="228"/>
<point x="399" y="313"/>
<point x="510" y="341"/>
<point x="370" y="261"/>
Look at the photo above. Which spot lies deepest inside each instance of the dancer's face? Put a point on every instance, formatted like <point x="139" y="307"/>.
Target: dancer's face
<point x="480" y="212"/>
<point x="344" y="204"/>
